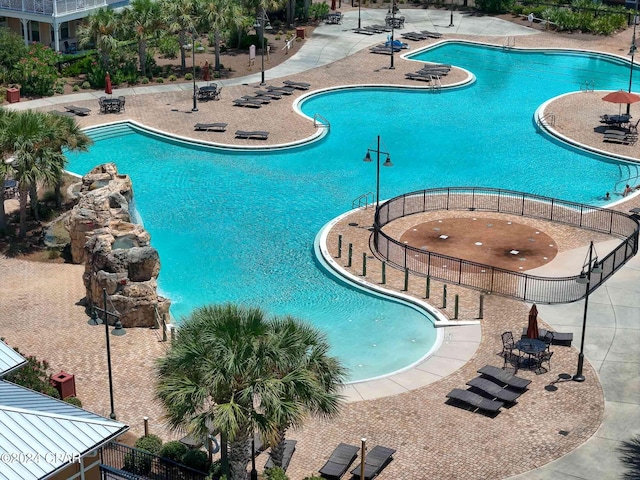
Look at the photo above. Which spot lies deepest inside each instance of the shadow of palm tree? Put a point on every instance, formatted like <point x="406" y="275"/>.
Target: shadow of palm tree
<point x="630" y="456"/>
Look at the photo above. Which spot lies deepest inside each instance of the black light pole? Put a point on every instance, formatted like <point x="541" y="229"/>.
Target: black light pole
<point x="193" y="55"/>
<point x="393" y="24"/>
<point x="359" y="2"/>
<point x="118" y="331"/>
<point x="451" y="19"/>
<point x="254" y="472"/>
<point x="632" y="51"/>
<point x="262" y="22"/>
<point x="585" y="279"/>
<point x="387" y="163"/>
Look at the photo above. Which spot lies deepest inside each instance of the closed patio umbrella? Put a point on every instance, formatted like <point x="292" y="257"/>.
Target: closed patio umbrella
<point x="532" y="330"/>
<point x="205" y="71"/>
<point x="107" y="84"/>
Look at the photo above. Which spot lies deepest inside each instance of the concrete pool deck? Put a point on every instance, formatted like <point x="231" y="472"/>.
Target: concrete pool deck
<point x="433" y="440"/>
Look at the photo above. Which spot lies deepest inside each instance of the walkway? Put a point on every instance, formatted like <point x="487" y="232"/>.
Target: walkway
<point x="433" y="440"/>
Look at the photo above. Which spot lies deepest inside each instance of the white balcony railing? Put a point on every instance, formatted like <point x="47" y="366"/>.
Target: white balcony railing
<point x="46" y="7"/>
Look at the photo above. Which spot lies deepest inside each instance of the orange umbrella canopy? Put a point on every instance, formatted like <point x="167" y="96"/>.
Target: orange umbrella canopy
<point x="532" y="330"/>
<point x="621" y="96"/>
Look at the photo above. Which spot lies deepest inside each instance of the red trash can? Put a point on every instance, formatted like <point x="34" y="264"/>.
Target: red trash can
<point x="299" y="32"/>
<point x="13" y="95"/>
<point x="65" y="384"/>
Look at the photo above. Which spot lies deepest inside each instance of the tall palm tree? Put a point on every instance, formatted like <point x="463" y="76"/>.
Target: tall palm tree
<point x="143" y="18"/>
<point x="233" y="368"/>
<point x="100" y="28"/>
<point x="181" y="17"/>
<point x="221" y="15"/>
<point x="6" y="117"/>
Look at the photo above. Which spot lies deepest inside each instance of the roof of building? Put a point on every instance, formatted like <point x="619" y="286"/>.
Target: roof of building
<point x="10" y="360"/>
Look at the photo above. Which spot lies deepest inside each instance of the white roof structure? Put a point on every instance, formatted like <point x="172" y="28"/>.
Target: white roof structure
<point x="10" y="360"/>
<point x="40" y="435"/>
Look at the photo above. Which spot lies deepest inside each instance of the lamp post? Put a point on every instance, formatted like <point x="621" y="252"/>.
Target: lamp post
<point x="193" y="56"/>
<point x="632" y="51"/>
<point x="262" y="22"/>
<point x="451" y="18"/>
<point x="359" y="24"/>
<point x="387" y="163"/>
<point x="118" y="331"/>
<point x="592" y="266"/>
<point x="363" y="449"/>
<point x="393" y="24"/>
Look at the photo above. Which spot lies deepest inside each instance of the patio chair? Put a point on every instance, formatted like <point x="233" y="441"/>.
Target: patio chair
<point x="547" y="338"/>
<point x="504" y="377"/>
<point x="210" y="127"/>
<point x="494" y="390"/>
<point x="508" y="344"/>
<point x="339" y="461"/>
<point x="122" y="101"/>
<point x="289" y="448"/>
<point x="542" y="357"/>
<point x="374" y="462"/>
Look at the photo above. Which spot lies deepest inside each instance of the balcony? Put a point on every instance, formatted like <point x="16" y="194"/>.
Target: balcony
<point x="46" y="7"/>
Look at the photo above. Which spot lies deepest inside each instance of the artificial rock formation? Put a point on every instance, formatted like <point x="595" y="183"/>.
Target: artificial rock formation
<point x="117" y="254"/>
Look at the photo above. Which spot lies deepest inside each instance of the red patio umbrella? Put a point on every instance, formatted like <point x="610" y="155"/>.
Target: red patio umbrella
<point x="532" y="330"/>
<point x="333" y="4"/>
<point x="107" y="84"/>
<point x="205" y="70"/>
<point x="621" y="97"/>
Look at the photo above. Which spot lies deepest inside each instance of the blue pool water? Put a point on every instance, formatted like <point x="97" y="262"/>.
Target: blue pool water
<point x="239" y="226"/>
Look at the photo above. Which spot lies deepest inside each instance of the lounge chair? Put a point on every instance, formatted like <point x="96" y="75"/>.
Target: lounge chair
<point x="494" y="390"/>
<point x="273" y="95"/>
<point x="257" y="98"/>
<point x="243" y="102"/>
<point x="289" y="448"/>
<point x="475" y="400"/>
<point x="415" y="36"/>
<point x="505" y="377"/>
<point x="559" y="338"/>
<point x="624" y="138"/>
<point x="282" y="90"/>
<point x="60" y="113"/>
<point x="421" y="76"/>
<point x="257" y="134"/>
<point x="363" y="31"/>
<point x="210" y="127"/>
<point x="376" y="459"/>
<point x="339" y="461"/>
<point x="381" y="28"/>
<point x="80" y="111"/>
<point x="297" y="85"/>
<point x="431" y="34"/>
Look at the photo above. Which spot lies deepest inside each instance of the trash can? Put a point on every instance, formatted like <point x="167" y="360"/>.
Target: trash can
<point x="299" y="32"/>
<point x="65" y="384"/>
<point x="13" y="95"/>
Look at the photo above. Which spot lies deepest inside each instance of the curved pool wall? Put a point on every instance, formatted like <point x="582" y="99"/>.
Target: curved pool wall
<point x="213" y="213"/>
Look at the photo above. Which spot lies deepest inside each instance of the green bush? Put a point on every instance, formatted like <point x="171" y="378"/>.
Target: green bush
<point x="74" y="69"/>
<point x="276" y="473"/>
<point x="159" y="80"/>
<point x="494" y="6"/>
<point x="36" y="72"/>
<point x="196" y="459"/>
<point x="85" y="85"/>
<point x="172" y="78"/>
<point x="318" y="10"/>
<point x="76" y="88"/>
<point x="34" y="375"/>
<point x="169" y="46"/>
<point x="144" y="80"/>
<point x="150" y="443"/>
<point x="312" y="477"/>
<point x="137" y="462"/>
<point x="173" y="450"/>
<point x="73" y="400"/>
<point x="188" y="76"/>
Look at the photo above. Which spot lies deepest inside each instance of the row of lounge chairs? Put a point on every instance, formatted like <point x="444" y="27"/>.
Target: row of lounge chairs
<point x="344" y="455"/>
<point x="428" y="72"/>
<point x="491" y="390"/>
<point x="421" y="35"/>
<point x="620" y="136"/>
<point x="372" y="29"/>
<point x="270" y="92"/>
<point x="222" y="127"/>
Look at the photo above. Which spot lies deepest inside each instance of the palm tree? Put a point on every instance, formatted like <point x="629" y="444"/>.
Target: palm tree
<point x="220" y="15"/>
<point x="143" y="18"/>
<point x="181" y="17"/>
<point x="100" y="28"/>
<point x="233" y="368"/>
<point x="6" y="117"/>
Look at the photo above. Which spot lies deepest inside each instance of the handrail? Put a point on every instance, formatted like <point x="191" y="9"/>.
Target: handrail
<point x="363" y="201"/>
<point x="629" y="179"/>
<point x="323" y="123"/>
<point x="585" y="85"/>
<point x="521" y="286"/>
<point x="160" y="323"/>
<point x="548" y="118"/>
<point x="507" y="42"/>
<point x="436" y="84"/>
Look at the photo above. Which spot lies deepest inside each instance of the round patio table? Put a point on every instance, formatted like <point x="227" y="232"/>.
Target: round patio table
<point x="531" y="346"/>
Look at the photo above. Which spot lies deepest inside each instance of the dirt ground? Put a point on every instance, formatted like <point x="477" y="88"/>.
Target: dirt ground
<point x="491" y="241"/>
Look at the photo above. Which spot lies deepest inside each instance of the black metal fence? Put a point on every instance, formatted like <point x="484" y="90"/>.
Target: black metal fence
<point x="496" y="280"/>
<point x="123" y="462"/>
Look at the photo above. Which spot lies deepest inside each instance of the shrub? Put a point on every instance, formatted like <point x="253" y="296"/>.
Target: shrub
<point x="76" y="88"/>
<point x="160" y="80"/>
<point x="318" y="10"/>
<point x="312" y="477"/>
<point x="150" y="443"/>
<point x="85" y="85"/>
<point x="173" y="450"/>
<point x="36" y="71"/>
<point x="137" y="462"/>
<point x="73" y="400"/>
<point x="196" y="459"/>
<point x="169" y="46"/>
<point x="172" y="78"/>
<point x="276" y="473"/>
<point x="494" y="6"/>
<point x="34" y="375"/>
<point x="215" y="470"/>
<point x="188" y="76"/>
<point x="144" y="80"/>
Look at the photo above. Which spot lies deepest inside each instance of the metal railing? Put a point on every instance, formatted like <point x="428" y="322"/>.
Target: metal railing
<point x="49" y="7"/>
<point x="499" y="281"/>
<point x="122" y="461"/>
<point x="548" y="118"/>
<point x="363" y="200"/>
<point x="320" y="121"/>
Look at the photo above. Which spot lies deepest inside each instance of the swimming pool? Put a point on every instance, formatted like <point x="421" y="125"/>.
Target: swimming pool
<point x="239" y="226"/>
